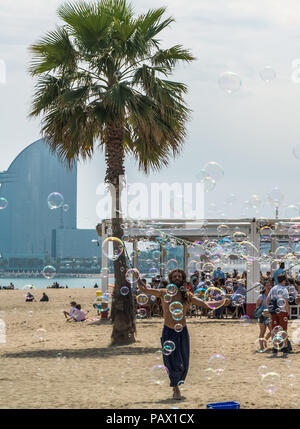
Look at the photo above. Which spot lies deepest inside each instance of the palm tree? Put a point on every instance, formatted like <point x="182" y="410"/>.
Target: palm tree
<point x="102" y="80"/>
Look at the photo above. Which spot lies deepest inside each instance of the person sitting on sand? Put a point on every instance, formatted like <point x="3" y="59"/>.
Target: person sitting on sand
<point x="44" y="297"/>
<point x="29" y="297"/>
<point x="175" y="329"/>
<point x="70" y="313"/>
<point x="78" y="315"/>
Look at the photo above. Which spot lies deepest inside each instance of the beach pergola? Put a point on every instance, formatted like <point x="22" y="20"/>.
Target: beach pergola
<point x="188" y="231"/>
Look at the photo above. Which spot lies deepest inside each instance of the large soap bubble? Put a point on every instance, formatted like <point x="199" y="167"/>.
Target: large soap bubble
<point x="271" y="382"/>
<point x="230" y="82"/>
<point x="159" y="374"/>
<point x="112" y="248"/>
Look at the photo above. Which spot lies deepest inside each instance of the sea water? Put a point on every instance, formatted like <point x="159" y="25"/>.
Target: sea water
<point x="41" y="283"/>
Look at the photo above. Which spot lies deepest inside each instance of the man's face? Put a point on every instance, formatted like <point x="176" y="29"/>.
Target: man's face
<point x="177" y="278"/>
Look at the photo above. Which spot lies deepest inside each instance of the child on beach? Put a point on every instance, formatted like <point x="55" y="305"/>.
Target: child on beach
<point x="78" y="315"/>
<point x="70" y="313"/>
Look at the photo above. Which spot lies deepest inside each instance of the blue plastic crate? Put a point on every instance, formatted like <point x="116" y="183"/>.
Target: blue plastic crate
<point x="224" y="405"/>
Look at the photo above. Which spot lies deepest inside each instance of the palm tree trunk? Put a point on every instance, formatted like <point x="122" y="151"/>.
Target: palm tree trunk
<point x="123" y="308"/>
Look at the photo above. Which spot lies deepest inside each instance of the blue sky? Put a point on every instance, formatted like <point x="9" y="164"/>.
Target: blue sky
<point x="250" y="133"/>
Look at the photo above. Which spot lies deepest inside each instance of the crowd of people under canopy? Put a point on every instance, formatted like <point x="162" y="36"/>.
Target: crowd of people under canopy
<point x="216" y="286"/>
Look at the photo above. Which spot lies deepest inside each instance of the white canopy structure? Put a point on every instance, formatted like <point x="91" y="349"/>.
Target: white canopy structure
<point x="188" y="231"/>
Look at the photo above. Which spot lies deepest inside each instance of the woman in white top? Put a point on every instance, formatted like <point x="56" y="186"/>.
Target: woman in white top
<point x="264" y="322"/>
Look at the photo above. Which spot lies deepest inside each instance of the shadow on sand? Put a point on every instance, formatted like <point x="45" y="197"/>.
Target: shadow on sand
<point x="101" y="353"/>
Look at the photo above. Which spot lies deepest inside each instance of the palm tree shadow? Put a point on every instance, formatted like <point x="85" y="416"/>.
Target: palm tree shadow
<point x="101" y="353"/>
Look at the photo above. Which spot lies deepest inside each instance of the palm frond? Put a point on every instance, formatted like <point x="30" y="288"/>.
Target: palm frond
<point x="170" y="57"/>
<point x="55" y="50"/>
<point x="87" y="23"/>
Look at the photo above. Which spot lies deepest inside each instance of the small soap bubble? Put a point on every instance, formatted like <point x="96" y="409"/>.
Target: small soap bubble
<point x="55" y="200"/>
<point x="3" y="203"/>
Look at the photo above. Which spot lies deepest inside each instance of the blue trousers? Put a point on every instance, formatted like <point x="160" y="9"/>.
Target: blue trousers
<point x="177" y="362"/>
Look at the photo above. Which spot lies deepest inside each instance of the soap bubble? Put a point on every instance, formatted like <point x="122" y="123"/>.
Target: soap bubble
<point x="192" y="267"/>
<point x="267" y="74"/>
<point x="66" y="207"/>
<point x="208" y="267"/>
<point x="201" y="175"/>
<point x="275" y="197"/>
<point x="49" y="272"/>
<point x="248" y="251"/>
<point x="132" y="275"/>
<point x="294" y="232"/>
<point x="112" y="248"/>
<point x="238" y="299"/>
<point x="156" y="255"/>
<point x="168" y="347"/>
<point x="177" y="314"/>
<point x="176" y="305"/>
<point x="281" y="302"/>
<point x="245" y="320"/>
<point x="291" y="380"/>
<point x="3" y="203"/>
<point x="142" y="299"/>
<point x="167" y="298"/>
<point x="270" y="382"/>
<point x="209" y="184"/>
<point x="278" y="340"/>
<point x="239" y="236"/>
<point x="281" y="251"/>
<point x="124" y="290"/>
<point x="159" y="374"/>
<point x="262" y="370"/>
<point x="178" y="327"/>
<point x="290" y="211"/>
<point x="55" y="200"/>
<point x="153" y="271"/>
<point x="141" y="313"/>
<point x="217" y="363"/>
<point x="172" y="289"/>
<point x="172" y="264"/>
<point x="223" y="230"/>
<point x="230" y="82"/>
<point x="28" y="287"/>
<point x="266" y="232"/>
<point x="41" y="334"/>
<point x="214" y="170"/>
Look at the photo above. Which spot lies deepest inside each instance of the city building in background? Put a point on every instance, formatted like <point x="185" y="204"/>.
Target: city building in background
<point x="31" y="233"/>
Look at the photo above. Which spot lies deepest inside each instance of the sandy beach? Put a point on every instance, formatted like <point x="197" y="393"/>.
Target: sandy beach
<point x="71" y="365"/>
